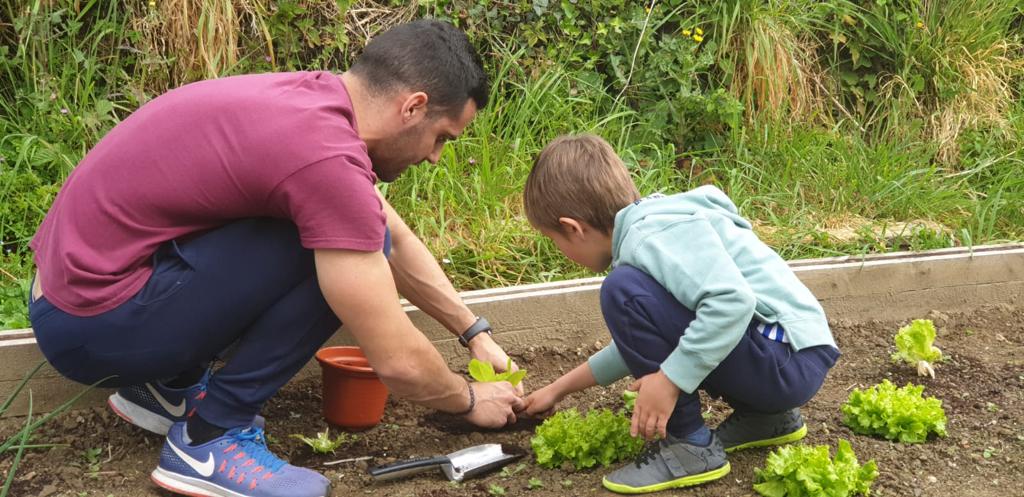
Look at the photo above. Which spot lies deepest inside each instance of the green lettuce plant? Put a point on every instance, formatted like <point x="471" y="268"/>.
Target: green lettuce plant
<point x="803" y="470"/>
<point x="601" y="437"/>
<point x="914" y="346"/>
<point x="902" y="414"/>
<point x="484" y="372"/>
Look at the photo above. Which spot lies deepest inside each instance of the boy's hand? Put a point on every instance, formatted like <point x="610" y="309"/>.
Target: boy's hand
<point x="484" y="348"/>
<point x="655" y="401"/>
<point x="541" y="403"/>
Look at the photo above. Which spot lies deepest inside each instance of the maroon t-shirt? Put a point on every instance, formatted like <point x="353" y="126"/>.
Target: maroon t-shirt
<point x="268" y="145"/>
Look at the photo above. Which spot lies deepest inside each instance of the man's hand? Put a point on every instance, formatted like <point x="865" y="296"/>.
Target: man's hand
<point x="496" y="404"/>
<point x="541" y="403"/>
<point x="483" y="348"/>
<point x="655" y="401"/>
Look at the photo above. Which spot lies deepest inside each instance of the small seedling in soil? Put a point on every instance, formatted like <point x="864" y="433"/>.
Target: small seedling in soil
<point x="507" y="472"/>
<point x="991" y="407"/>
<point x="484" y="372"/>
<point x="567" y="483"/>
<point x="989" y="452"/>
<point x="629" y="398"/>
<point x="92" y="460"/>
<point x="323" y="443"/>
<point x="914" y="346"/>
<point x="534" y="483"/>
<point x="496" y="490"/>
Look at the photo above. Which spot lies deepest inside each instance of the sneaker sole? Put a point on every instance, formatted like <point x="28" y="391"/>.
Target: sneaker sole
<point x="185" y="485"/>
<point x="784" y="439"/>
<point x="138" y="415"/>
<point x="194" y="487"/>
<point x="686" y="481"/>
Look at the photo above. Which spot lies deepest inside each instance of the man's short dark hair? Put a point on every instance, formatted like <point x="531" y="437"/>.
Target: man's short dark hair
<point x="425" y="55"/>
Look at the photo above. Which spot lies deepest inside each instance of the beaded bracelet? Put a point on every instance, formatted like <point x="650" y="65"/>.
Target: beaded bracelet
<point x="472" y="401"/>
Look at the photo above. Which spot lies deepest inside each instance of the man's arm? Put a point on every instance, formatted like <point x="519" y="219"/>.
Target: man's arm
<point x="360" y="289"/>
<point x="420" y="280"/>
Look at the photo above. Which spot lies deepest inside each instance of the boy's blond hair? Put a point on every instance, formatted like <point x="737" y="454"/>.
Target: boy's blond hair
<point x="580" y="177"/>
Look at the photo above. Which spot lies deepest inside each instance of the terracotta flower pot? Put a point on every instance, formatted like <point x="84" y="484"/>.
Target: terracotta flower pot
<point x="353" y="395"/>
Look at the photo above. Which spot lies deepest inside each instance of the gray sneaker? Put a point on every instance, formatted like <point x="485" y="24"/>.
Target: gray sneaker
<point x="669" y="463"/>
<point x="746" y="430"/>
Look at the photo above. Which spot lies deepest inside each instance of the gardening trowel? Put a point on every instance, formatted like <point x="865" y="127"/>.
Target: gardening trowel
<point x="458" y="465"/>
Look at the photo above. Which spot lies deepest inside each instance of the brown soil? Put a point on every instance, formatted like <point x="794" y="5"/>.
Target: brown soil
<point x="980" y="385"/>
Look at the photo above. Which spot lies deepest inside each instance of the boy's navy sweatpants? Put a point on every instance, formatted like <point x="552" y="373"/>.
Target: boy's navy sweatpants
<point x="760" y="375"/>
<point x="249" y="285"/>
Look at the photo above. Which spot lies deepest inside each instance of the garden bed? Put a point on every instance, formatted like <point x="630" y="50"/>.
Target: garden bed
<point x="981" y="385"/>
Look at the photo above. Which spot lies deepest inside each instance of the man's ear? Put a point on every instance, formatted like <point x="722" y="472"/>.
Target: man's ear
<point x="571" y="227"/>
<point x="414" y="107"/>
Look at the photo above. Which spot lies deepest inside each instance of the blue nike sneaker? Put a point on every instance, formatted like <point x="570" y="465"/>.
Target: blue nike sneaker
<point x="155" y="407"/>
<point x="237" y="464"/>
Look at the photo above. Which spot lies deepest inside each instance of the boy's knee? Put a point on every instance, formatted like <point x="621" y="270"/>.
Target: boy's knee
<point x="623" y="284"/>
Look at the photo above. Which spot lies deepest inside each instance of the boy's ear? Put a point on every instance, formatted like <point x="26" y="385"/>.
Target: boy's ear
<point x="571" y="227"/>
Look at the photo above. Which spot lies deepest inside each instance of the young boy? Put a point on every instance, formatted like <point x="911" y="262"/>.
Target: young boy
<point x="694" y="301"/>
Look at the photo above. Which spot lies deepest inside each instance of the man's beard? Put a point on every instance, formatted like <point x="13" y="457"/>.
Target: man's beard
<point x="390" y="164"/>
<point x="388" y="170"/>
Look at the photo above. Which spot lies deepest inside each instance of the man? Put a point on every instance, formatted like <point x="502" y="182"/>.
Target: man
<point x="243" y="211"/>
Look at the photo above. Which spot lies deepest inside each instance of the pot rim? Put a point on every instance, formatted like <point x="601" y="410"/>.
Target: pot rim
<point x="331" y="358"/>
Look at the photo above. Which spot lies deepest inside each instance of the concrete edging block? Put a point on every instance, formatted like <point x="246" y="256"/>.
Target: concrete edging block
<point x="892" y="286"/>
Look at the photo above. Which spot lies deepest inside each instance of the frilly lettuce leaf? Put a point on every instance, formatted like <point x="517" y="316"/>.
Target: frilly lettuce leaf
<point x="902" y="414"/>
<point x="914" y="345"/>
<point x="602" y="437"/>
<point x="802" y="470"/>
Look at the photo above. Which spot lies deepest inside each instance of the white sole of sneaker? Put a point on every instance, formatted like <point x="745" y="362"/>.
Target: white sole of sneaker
<point x="138" y="416"/>
<point x="185" y="485"/>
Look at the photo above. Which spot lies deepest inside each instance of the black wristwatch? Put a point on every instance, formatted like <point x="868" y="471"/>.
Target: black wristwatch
<point x="479" y="326"/>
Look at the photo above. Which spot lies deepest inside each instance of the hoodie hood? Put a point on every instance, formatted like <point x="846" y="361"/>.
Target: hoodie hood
<point x="706" y="200"/>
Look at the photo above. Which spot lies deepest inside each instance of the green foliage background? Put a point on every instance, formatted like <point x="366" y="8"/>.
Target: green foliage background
<point x="898" y="121"/>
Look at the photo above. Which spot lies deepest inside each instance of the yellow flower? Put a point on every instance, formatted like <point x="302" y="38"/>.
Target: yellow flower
<point x="700" y="31"/>
<point x="698" y="38"/>
<point x="920" y="24"/>
<point x="687" y="32"/>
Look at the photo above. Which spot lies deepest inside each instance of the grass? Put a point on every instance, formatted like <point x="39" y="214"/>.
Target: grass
<point x="18" y="441"/>
<point x="903" y="136"/>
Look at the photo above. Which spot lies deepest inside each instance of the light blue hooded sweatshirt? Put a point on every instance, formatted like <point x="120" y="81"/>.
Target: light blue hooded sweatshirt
<point x="699" y="248"/>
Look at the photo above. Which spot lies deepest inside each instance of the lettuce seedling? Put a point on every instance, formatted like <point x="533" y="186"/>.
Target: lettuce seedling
<point x="323" y="443"/>
<point x="914" y="346"/>
<point x="629" y="398"/>
<point x="802" y="470"/>
<point x="602" y="437"/>
<point x="484" y="372"/>
<point x="892" y="413"/>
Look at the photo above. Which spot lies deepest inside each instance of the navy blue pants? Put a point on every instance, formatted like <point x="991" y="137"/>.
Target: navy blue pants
<point x="759" y="375"/>
<point x="248" y="285"/>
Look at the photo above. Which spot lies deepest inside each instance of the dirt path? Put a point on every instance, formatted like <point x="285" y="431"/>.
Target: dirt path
<point x="981" y="385"/>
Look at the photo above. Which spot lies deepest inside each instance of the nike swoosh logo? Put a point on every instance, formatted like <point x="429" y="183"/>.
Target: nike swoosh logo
<point x="175" y="410"/>
<point x="203" y="468"/>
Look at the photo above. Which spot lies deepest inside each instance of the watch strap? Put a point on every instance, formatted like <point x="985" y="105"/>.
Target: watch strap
<point x="479" y="326"/>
